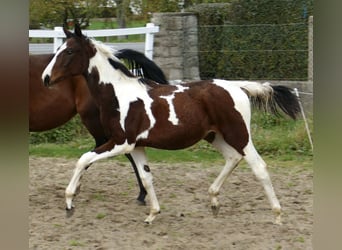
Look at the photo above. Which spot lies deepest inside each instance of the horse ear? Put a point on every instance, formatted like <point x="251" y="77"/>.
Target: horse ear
<point x="78" y="31"/>
<point x="67" y="32"/>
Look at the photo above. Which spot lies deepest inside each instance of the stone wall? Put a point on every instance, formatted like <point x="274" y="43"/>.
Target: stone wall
<point x="176" y="52"/>
<point x="176" y="46"/>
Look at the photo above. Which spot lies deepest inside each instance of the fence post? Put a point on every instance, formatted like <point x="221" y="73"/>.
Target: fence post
<point x="57" y="41"/>
<point x="310" y="56"/>
<point x="176" y="45"/>
<point x="149" y="42"/>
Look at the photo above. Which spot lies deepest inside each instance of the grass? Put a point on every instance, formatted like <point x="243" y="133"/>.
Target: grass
<point x="76" y="148"/>
<point x="280" y="141"/>
<point x="76" y="243"/>
<point x="98" y="197"/>
<point x="100" y="216"/>
<point x="94" y="24"/>
<point x="99" y="24"/>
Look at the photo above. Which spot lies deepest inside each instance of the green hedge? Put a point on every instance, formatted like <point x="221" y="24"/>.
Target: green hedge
<point x="251" y="39"/>
<point x="69" y="131"/>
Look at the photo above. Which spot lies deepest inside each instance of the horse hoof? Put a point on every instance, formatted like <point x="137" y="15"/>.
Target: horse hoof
<point x="141" y="202"/>
<point x="151" y="217"/>
<point x="278" y="221"/>
<point x="69" y="211"/>
<point x="215" y="209"/>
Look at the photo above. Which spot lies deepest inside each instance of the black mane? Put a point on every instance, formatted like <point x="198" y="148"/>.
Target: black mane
<point x="120" y="66"/>
<point x="142" y="66"/>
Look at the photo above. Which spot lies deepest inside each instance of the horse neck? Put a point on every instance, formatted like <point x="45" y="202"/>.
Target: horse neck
<point x="107" y="73"/>
<point x="125" y="88"/>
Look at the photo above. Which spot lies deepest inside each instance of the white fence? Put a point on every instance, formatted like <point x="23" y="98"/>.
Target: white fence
<point x="57" y="34"/>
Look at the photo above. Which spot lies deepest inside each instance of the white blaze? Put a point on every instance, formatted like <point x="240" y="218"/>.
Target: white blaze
<point x="48" y="69"/>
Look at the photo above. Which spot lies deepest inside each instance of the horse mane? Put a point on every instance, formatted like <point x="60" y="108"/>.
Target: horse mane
<point x="142" y="66"/>
<point x="109" y="52"/>
<point x="103" y="48"/>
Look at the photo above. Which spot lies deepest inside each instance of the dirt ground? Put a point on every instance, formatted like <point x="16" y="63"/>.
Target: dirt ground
<point x="108" y="217"/>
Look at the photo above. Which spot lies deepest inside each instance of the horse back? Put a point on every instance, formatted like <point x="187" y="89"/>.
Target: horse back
<point x="192" y="111"/>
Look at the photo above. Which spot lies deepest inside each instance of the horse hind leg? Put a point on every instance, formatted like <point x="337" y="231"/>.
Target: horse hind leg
<point x="140" y="158"/>
<point x="232" y="158"/>
<point x="259" y="168"/>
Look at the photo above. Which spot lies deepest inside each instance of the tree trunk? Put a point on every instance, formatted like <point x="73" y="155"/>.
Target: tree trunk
<point x="121" y="16"/>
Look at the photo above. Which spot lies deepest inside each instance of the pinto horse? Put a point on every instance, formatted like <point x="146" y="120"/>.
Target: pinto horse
<point x="138" y="113"/>
<point x="53" y="107"/>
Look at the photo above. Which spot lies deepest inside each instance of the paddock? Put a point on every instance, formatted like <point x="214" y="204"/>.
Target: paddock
<point x="108" y="217"/>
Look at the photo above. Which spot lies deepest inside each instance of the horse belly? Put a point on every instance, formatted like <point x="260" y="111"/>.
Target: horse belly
<point x="172" y="137"/>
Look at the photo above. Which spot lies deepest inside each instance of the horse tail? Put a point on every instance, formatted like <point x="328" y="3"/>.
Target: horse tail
<point x="271" y="97"/>
<point x="142" y="66"/>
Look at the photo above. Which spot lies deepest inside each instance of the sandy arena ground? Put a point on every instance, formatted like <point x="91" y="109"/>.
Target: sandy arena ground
<point x="108" y="217"/>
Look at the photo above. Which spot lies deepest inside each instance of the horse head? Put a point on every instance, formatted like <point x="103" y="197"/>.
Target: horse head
<point x="71" y="59"/>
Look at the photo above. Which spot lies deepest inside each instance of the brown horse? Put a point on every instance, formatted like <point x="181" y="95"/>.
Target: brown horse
<point x="138" y="113"/>
<point x="53" y="107"/>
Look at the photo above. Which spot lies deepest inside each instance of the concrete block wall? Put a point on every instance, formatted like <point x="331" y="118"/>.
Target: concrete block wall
<point x="176" y="45"/>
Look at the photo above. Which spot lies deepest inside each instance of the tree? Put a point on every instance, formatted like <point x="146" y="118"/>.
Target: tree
<point x="145" y="7"/>
<point x="50" y="13"/>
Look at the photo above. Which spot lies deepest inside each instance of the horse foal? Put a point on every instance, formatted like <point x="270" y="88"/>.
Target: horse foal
<point x="138" y="113"/>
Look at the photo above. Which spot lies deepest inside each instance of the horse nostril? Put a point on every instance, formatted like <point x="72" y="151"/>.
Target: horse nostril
<point x="46" y="80"/>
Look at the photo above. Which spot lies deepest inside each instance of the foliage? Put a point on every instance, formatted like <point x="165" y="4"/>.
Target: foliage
<point x="271" y="11"/>
<point x="279" y="135"/>
<point x="50" y="13"/>
<point x="62" y="134"/>
<point x="254" y="39"/>
<point x="144" y="8"/>
<point x="188" y="3"/>
<point x="273" y="136"/>
<point x="210" y="37"/>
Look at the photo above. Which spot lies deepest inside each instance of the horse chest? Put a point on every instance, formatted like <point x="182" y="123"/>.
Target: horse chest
<point x="133" y="101"/>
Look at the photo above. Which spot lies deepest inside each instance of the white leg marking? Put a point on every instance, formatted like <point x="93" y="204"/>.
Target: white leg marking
<point x="259" y="168"/>
<point x="87" y="159"/>
<point x="81" y="165"/>
<point x="140" y="159"/>
<point x="232" y="158"/>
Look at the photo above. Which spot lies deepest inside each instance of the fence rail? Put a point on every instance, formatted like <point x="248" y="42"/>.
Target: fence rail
<point x="58" y="35"/>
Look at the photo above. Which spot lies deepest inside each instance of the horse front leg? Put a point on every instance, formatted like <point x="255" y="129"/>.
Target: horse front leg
<point x="105" y="151"/>
<point x="82" y="164"/>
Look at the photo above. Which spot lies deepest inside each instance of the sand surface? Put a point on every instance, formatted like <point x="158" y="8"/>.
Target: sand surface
<point x="108" y="217"/>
